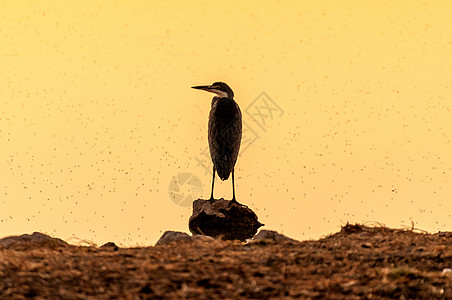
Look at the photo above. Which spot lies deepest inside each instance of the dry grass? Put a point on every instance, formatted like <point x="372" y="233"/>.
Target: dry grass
<point x="357" y="262"/>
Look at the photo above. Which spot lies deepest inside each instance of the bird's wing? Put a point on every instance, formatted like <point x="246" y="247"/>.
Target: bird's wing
<point x="225" y="134"/>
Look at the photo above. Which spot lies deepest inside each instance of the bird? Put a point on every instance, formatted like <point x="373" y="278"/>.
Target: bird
<point x="224" y="132"/>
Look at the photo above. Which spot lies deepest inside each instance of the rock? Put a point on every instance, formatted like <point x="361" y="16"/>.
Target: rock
<point x="177" y="236"/>
<point x="173" y="236"/>
<point x="109" y="246"/>
<point x="36" y="237"/>
<point x="273" y="236"/>
<point x="218" y="219"/>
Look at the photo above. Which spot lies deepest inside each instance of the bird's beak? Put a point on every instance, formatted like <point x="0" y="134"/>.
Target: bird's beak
<point x="202" y="87"/>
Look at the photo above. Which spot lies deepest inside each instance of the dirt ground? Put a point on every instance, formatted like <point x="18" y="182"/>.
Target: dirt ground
<point x="356" y="263"/>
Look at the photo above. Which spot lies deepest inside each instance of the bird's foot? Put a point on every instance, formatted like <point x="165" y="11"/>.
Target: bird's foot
<point x="235" y="202"/>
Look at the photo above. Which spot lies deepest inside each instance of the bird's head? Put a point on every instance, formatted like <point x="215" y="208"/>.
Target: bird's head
<point x="220" y="88"/>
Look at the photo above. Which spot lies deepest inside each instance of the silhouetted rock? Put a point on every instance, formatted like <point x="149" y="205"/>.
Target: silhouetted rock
<point x="219" y="219"/>
<point x="36" y="237"/>
<point x="273" y="236"/>
<point x="176" y="236"/>
<point x="173" y="236"/>
<point x="109" y="246"/>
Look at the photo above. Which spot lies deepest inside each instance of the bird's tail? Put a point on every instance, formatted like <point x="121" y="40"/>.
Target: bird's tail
<point x="223" y="174"/>
<point x="224" y="168"/>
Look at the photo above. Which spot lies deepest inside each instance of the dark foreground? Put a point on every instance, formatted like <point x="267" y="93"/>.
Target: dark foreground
<point x="357" y="262"/>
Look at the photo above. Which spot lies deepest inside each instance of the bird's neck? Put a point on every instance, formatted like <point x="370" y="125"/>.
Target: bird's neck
<point x="216" y="98"/>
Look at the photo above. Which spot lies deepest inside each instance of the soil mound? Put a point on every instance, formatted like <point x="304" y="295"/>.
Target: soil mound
<point x="359" y="262"/>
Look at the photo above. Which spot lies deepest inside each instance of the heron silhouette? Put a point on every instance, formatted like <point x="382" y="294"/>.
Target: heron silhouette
<point x="224" y="133"/>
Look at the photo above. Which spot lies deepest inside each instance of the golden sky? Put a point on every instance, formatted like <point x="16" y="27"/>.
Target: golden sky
<point x="97" y="114"/>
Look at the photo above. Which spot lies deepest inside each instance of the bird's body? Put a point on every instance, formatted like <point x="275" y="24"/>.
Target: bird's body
<point x="224" y="132"/>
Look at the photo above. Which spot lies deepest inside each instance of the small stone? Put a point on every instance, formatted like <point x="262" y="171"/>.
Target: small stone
<point x="447" y="270"/>
<point x="272" y="235"/>
<point x="173" y="236"/>
<point x="109" y="246"/>
<point x="219" y="218"/>
<point x="36" y="237"/>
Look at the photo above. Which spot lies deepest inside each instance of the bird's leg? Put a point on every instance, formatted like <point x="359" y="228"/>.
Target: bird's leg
<point x="213" y="180"/>
<point x="233" y="187"/>
<point x="233" y="192"/>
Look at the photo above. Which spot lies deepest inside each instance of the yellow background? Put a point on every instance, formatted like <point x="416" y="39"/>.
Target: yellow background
<point x="97" y="114"/>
